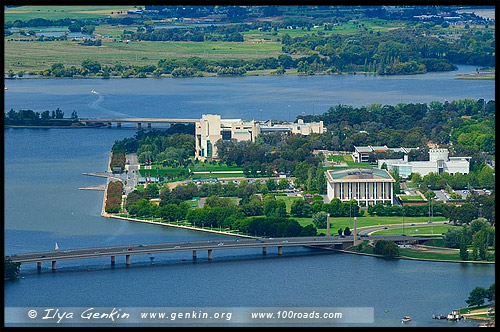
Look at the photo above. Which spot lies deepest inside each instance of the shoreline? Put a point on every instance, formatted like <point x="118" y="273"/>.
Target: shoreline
<point x="258" y="73"/>
<point x="50" y="127"/>
<point x="415" y="259"/>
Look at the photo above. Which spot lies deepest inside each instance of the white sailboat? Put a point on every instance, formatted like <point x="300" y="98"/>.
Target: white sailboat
<point x="93" y="91"/>
<point x="57" y="247"/>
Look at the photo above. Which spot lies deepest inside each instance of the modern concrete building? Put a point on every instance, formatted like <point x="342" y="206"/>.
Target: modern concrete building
<point x="211" y="128"/>
<point x="368" y="185"/>
<point x="361" y="153"/>
<point x="438" y="162"/>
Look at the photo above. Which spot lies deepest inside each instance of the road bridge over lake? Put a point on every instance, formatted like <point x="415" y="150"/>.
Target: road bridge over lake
<point x="139" y="121"/>
<point x="320" y="242"/>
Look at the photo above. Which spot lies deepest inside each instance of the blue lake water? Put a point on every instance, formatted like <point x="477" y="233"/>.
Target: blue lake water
<point x="43" y="171"/>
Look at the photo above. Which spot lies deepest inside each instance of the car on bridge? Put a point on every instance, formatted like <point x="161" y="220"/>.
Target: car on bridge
<point x="220" y="244"/>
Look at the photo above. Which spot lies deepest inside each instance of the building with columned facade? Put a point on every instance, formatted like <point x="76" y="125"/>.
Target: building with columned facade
<point x="368" y="185"/>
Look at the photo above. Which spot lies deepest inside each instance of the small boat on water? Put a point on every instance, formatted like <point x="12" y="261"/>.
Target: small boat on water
<point x="454" y="316"/>
<point x="57" y="247"/>
<point x="93" y="91"/>
<point x="438" y="317"/>
<point x="405" y="319"/>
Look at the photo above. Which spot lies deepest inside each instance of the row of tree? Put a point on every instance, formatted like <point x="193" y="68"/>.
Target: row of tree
<point x="114" y="197"/>
<point x="45" y="118"/>
<point x="480" y="176"/>
<point x="221" y="212"/>
<point x="479" y="235"/>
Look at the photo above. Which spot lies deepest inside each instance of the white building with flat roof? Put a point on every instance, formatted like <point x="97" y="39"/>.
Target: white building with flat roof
<point x="438" y="162"/>
<point x="361" y="153"/>
<point x="211" y="128"/>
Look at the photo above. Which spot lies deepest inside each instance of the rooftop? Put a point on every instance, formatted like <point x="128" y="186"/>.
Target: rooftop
<point x="360" y="174"/>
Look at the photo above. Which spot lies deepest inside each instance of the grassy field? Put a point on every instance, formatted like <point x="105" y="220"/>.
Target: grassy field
<point x="288" y="201"/>
<point x="162" y="171"/>
<point x="407" y="198"/>
<point x="202" y="167"/>
<point x="25" y="13"/>
<point x="343" y="222"/>
<point x="443" y="255"/>
<point x="418" y="230"/>
<point x="34" y="55"/>
<point x="343" y="28"/>
<point x="217" y="175"/>
<point x="349" y="161"/>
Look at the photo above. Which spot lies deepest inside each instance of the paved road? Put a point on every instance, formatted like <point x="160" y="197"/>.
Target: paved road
<point x="187" y="246"/>
<point x="132" y="174"/>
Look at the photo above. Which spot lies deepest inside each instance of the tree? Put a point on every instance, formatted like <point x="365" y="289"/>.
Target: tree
<point x="476" y="297"/>
<point x="271" y="184"/>
<point x="283" y="184"/>
<point x="388" y="249"/>
<point x="319" y="219"/>
<point x="490" y="293"/>
<point x="300" y="208"/>
<point x="91" y="65"/>
<point x="347" y="231"/>
<point x="11" y="269"/>
<point x="466" y="212"/>
<point x="339" y="231"/>
<point x="464" y="254"/>
<point x="309" y="230"/>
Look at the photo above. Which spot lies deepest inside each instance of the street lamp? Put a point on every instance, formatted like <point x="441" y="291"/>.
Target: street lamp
<point x="403" y="220"/>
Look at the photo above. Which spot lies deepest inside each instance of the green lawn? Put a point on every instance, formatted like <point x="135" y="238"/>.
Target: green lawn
<point x="414" y="253"/>
<point x="25" y="13"/>
<point x="217" y="175"/>
<point x="35" y="55"/>
<point x="202" y="167"/>
<point x="340" y="158"/>
<point x="163" y="171"/>
<point x="288" y="201"/>
<point x="418" y="230"/>
<point x="409" y="198"/>
<point x="343" y="222"/>
<point x="465" y="310"/>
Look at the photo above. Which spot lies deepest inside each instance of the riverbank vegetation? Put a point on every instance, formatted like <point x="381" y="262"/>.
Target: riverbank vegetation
<point x="45" y="118"/>
<point x="476" y="241"/>
<point x="11" y="269"/>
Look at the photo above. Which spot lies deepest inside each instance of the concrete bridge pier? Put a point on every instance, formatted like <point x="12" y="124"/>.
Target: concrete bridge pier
<point x="280" y="250"/>
<point x="54" y="267"/>
<point x="264" y="250"/>
<point x="210" y="254"/>
<point x="39" y="266"/>
<point x="138" y="125"/>
<point x="113" y="261"/>
<point x="118" y="125"/>
<point x="127" y="260"/>
<point x="109" y="125"/>
<point x="149" y="125"/>
<point x="194" y="254"/>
